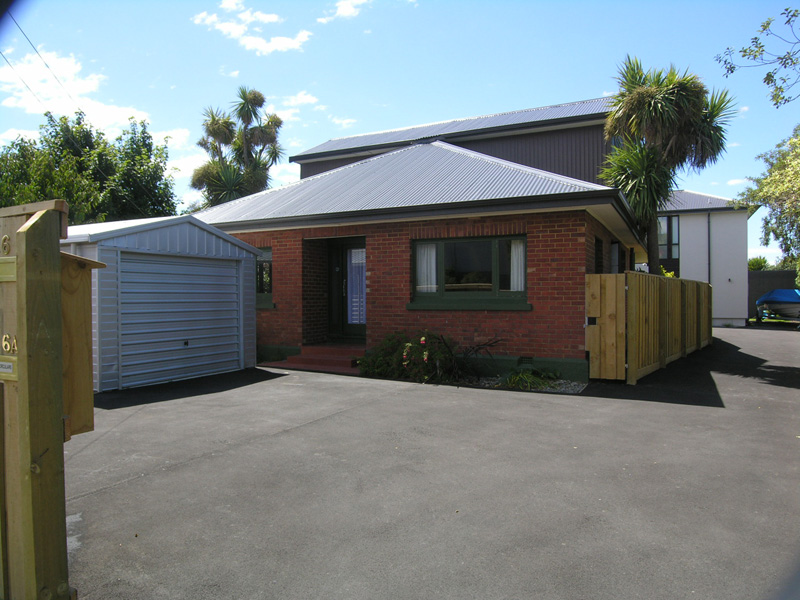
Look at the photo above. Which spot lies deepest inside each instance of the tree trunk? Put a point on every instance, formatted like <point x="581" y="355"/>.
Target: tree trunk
<point x="653" y="259"/>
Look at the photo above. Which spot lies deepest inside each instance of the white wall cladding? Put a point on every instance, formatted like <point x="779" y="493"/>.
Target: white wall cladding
<point x="176" y="300"/>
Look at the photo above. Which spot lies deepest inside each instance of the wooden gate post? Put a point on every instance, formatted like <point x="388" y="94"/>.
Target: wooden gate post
<point x="34" y="552"/>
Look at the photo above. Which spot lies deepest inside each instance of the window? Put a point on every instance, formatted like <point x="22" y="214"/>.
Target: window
<point x="264" y="279"/>
<point x="480" y="273"/>
<point x="598" y="255"/>
<point x="668" y="237"/>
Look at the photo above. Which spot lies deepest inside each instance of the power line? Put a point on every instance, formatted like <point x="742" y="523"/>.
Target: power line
<point x="74" y="143"/>
<point x="35" y="49"/>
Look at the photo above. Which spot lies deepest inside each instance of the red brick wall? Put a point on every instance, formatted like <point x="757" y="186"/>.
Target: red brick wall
<point x="560" y="251"/>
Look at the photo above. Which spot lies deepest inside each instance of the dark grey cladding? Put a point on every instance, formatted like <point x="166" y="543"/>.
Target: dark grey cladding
<point x="460" y="128"/>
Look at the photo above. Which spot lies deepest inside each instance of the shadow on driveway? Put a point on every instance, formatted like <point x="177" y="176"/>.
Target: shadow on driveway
<point x="690" y="380"/>
<point x="211" y="384"/>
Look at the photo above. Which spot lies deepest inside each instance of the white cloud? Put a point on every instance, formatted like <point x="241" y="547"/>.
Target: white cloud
<point x="49" y="95"/>
<point x="734" y="145"/>
<point x="232" y="74"/>
<point x="320" y="107"/>
<point x="240" y="30"/>
<point x="294" y="143"/>
<point x="231" y="29"/>
<point x="182" y="168"/>
<point x="11" y="134"/>
<point x="607" y="94"/>
<point x="343" y="123"/>
<point x="288" y="114"/>
<point x="249" y="16"/>
<point x="277" y="44"/>
<point x="231" y="5"/>
<point x="178" y="138"/>
<point x="736" y="181"/>
<point x="346" y="9"/>
<point x="302" y="97"/>
<point x="283" y="174"/>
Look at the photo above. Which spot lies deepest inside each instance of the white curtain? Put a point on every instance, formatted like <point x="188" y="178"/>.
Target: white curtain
<point x="426" y="268"/>
<point x="517" y="266"/>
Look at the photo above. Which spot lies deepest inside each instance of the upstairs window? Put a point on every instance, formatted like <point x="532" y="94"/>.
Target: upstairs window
<point x="668" y="237"/>
<point x="478" y="273"/>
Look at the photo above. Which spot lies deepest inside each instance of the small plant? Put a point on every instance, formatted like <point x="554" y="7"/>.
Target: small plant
<point x="423" y="358"/>
<point x="527" y="380"/>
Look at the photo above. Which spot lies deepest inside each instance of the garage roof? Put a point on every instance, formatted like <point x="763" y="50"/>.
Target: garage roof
<point x="95" y="232"/>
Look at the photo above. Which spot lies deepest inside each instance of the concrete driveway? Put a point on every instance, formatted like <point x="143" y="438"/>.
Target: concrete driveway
<point x="303" y="486"/>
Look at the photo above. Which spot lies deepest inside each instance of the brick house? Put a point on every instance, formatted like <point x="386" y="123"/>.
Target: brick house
<point x="476" y="229"/>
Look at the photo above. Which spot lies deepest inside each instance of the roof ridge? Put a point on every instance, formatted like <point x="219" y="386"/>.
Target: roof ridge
<point x="704" y="194"/>
<point x="487" y="116"/>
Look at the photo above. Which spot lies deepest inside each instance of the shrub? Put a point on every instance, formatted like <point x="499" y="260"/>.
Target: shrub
<point x="424" y="357"/>
<point x="527" y="380"/>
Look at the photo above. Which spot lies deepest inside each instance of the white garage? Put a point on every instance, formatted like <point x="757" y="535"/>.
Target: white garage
<point x="176" y="300"/>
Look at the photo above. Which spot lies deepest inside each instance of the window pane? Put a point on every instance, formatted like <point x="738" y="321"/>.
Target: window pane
<point x="511" y="258"/>
<point x="426" y="268"/>
<point x="662" y="252"/>
<point x="674" y="233"/>
<point x="468" y="266"/>
<point x="264" y="272"/>
<point x="662" y="230"/>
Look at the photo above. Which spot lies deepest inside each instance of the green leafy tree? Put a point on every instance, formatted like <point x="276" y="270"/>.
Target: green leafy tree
<point x="241" y="146"/>
<point x="72" y="161"/>
<point x="757" y="263"/>
<point x="779" y="52"/>
<point x="778" y="189"/>
<point x="660" y="123"/>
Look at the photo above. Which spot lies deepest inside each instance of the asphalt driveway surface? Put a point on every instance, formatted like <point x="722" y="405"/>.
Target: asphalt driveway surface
<point x="290" y="485"/>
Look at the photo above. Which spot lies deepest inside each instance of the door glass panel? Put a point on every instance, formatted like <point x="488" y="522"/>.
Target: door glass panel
<point x="356" y="286"/>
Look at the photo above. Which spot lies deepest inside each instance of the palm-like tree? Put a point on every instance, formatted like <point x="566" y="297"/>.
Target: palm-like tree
<point x="241" y="147"/>
<point x="662" y="122"/>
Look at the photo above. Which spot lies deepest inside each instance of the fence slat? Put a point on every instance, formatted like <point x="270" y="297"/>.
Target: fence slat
<point x="638" y="323"/>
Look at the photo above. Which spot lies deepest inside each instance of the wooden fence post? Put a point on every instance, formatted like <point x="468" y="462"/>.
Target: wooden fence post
<point x="35" y="554"/>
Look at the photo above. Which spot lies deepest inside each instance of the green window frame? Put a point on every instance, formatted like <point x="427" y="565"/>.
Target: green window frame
<point x="476" y="273"/>
<point x="264" y="279"/>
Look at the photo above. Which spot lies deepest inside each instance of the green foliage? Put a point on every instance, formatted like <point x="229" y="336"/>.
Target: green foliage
<point x="527" y="380"/>
<point x="100" y="180"/>
<point x="424" y="357"/>
<point x="241" y="148"/>
<point x="778" y="189"/>
<point x="420" y="358"/>
<point x="757" y="263"/>
<point x="665" y="273"/>
<point x="783" y="61"/>
<point x="662" y="121"/>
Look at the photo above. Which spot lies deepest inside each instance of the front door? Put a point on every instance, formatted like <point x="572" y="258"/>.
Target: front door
<point x="348" y="288"/>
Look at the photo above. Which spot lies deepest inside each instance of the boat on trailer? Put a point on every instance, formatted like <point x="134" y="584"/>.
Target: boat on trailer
<point x="782" y="303"/>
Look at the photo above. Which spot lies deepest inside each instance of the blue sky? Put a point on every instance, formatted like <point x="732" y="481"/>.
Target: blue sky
<point x="333" y="69"/>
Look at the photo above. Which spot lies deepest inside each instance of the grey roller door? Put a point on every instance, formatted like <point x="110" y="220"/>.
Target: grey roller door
<point x="179" y="318"/>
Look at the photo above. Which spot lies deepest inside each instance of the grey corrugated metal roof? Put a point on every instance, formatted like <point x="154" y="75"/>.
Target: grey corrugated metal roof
<point x="424" y="175"/>
<point x="95" y="232"/>
<point x="460" y="127"/>
<point x="684" y="200"/>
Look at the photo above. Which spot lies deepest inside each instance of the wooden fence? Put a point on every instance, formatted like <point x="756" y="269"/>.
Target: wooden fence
<point x="637" y="323"/>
